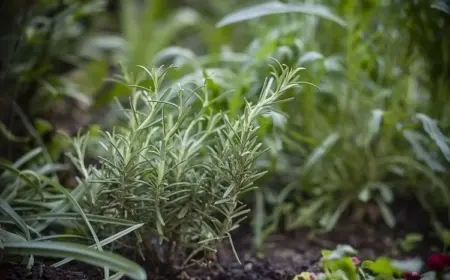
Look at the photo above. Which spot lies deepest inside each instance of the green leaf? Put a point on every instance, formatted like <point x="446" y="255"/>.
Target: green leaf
<point x="386" y="192"/>
<point x="6" y="236"/>
<point x="386" y="213"/>
<point x="27" y="157"/>
<point x="271" y="8"/>
<point x="337" y="263"/>
<point x="331" y="222"/>
<point x="7" y="210"/>
<point x="431" y="127"/>
<point x="74" y="217"/>
<point x="445" y="235"/>
<point x="416" y="139"/>
<point x="408" y="162"/>
<point x="410" y="241"/>
<point x="321" y="151"/>
<point x="374" y="125"/>
<point x="42" y="126"/>
<point x="441" y="6"/>
<point x="365" y="194"/>
<point x="77" y="208"/>
<point x="10" y="136"/>
<point x="78" y="252"/>
<point x="104" y="242"/>
<point x="339" y="252"/>
<point x="410" y="265"/>
<point x="381" y="265"/>
<point x="21" y="175"/>
<point x="308" y="57"/>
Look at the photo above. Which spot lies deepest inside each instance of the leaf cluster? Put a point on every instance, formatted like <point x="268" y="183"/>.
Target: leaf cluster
<point x="179" y="168"/>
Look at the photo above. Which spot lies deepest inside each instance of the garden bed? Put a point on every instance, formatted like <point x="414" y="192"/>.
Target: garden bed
<point x="176" y="164"/>
<point x="286" y="254"/>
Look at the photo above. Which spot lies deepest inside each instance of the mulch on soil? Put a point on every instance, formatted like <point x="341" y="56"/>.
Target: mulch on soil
<point x="286" y="254"/>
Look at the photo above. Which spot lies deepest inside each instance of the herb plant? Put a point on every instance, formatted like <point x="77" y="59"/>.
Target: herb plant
<point x="178" y="169"/>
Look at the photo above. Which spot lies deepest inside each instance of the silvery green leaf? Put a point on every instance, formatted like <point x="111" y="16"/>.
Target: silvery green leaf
<point x="341" y="251"/>
<point x="321" y="150"/>
<point x="441" y="6"/>
<point x="334" y="63"/>
<point x="308" y="57"/>
<point x="431" y="127"/>
<point x="365" y="194"/>
<point x="279" y="120"/>
<point x="386" y="213"/>
<point x="271" y="8"/>
<point x="415" y="140"/>
<point x="410" y="265"/>
<point x="374" y="124"/>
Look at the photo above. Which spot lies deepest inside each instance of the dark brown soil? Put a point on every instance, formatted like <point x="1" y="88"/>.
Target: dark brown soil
<point x="46" y="272"/>
<point x="285" y="254"/>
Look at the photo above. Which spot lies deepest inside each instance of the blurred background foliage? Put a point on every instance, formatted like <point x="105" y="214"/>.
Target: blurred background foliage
<point x="368" y="127"/>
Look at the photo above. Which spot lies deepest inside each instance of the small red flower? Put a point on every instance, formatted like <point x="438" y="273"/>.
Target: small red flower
<point x="438" y="262"/>
<point x="412" y="276"/>
<point x="355" y="260"/>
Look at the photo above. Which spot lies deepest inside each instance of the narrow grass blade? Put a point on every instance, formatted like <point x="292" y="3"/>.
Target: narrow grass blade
<point x="74" y="217"/>
<point x="7" y="210"/>
<point x="27" y="157"/>
<point x="271" y="8"/>
<point x="320" y="151"/>
<point x="104" y="242"/>
<point x="78" y="252"/>
<point x="431" y="127"/>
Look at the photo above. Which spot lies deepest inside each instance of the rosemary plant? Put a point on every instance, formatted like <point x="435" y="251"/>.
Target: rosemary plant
<point x="180" y="167"/>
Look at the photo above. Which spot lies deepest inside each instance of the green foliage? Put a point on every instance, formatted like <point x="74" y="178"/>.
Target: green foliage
<point x="32" y="202"/>
<point x="271" y="8"/>
<point x="342" y="263"/>
<point x="179" y="169"/>
<point x="427" y="24"/>
<point x="375" y="128"/>
<point x="43" y="41"/>
<point x="410" y="242"/>
<point x="365" y="136"/>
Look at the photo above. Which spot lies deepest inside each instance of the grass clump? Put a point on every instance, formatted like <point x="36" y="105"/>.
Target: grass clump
<point x="40" y="217"/>
<point x="180" y="167"/>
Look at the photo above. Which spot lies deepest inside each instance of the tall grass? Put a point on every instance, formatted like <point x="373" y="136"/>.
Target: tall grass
<point x="32" y="202"/>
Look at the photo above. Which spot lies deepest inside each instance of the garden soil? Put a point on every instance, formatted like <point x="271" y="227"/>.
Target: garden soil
<point x="286" y="254"/>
